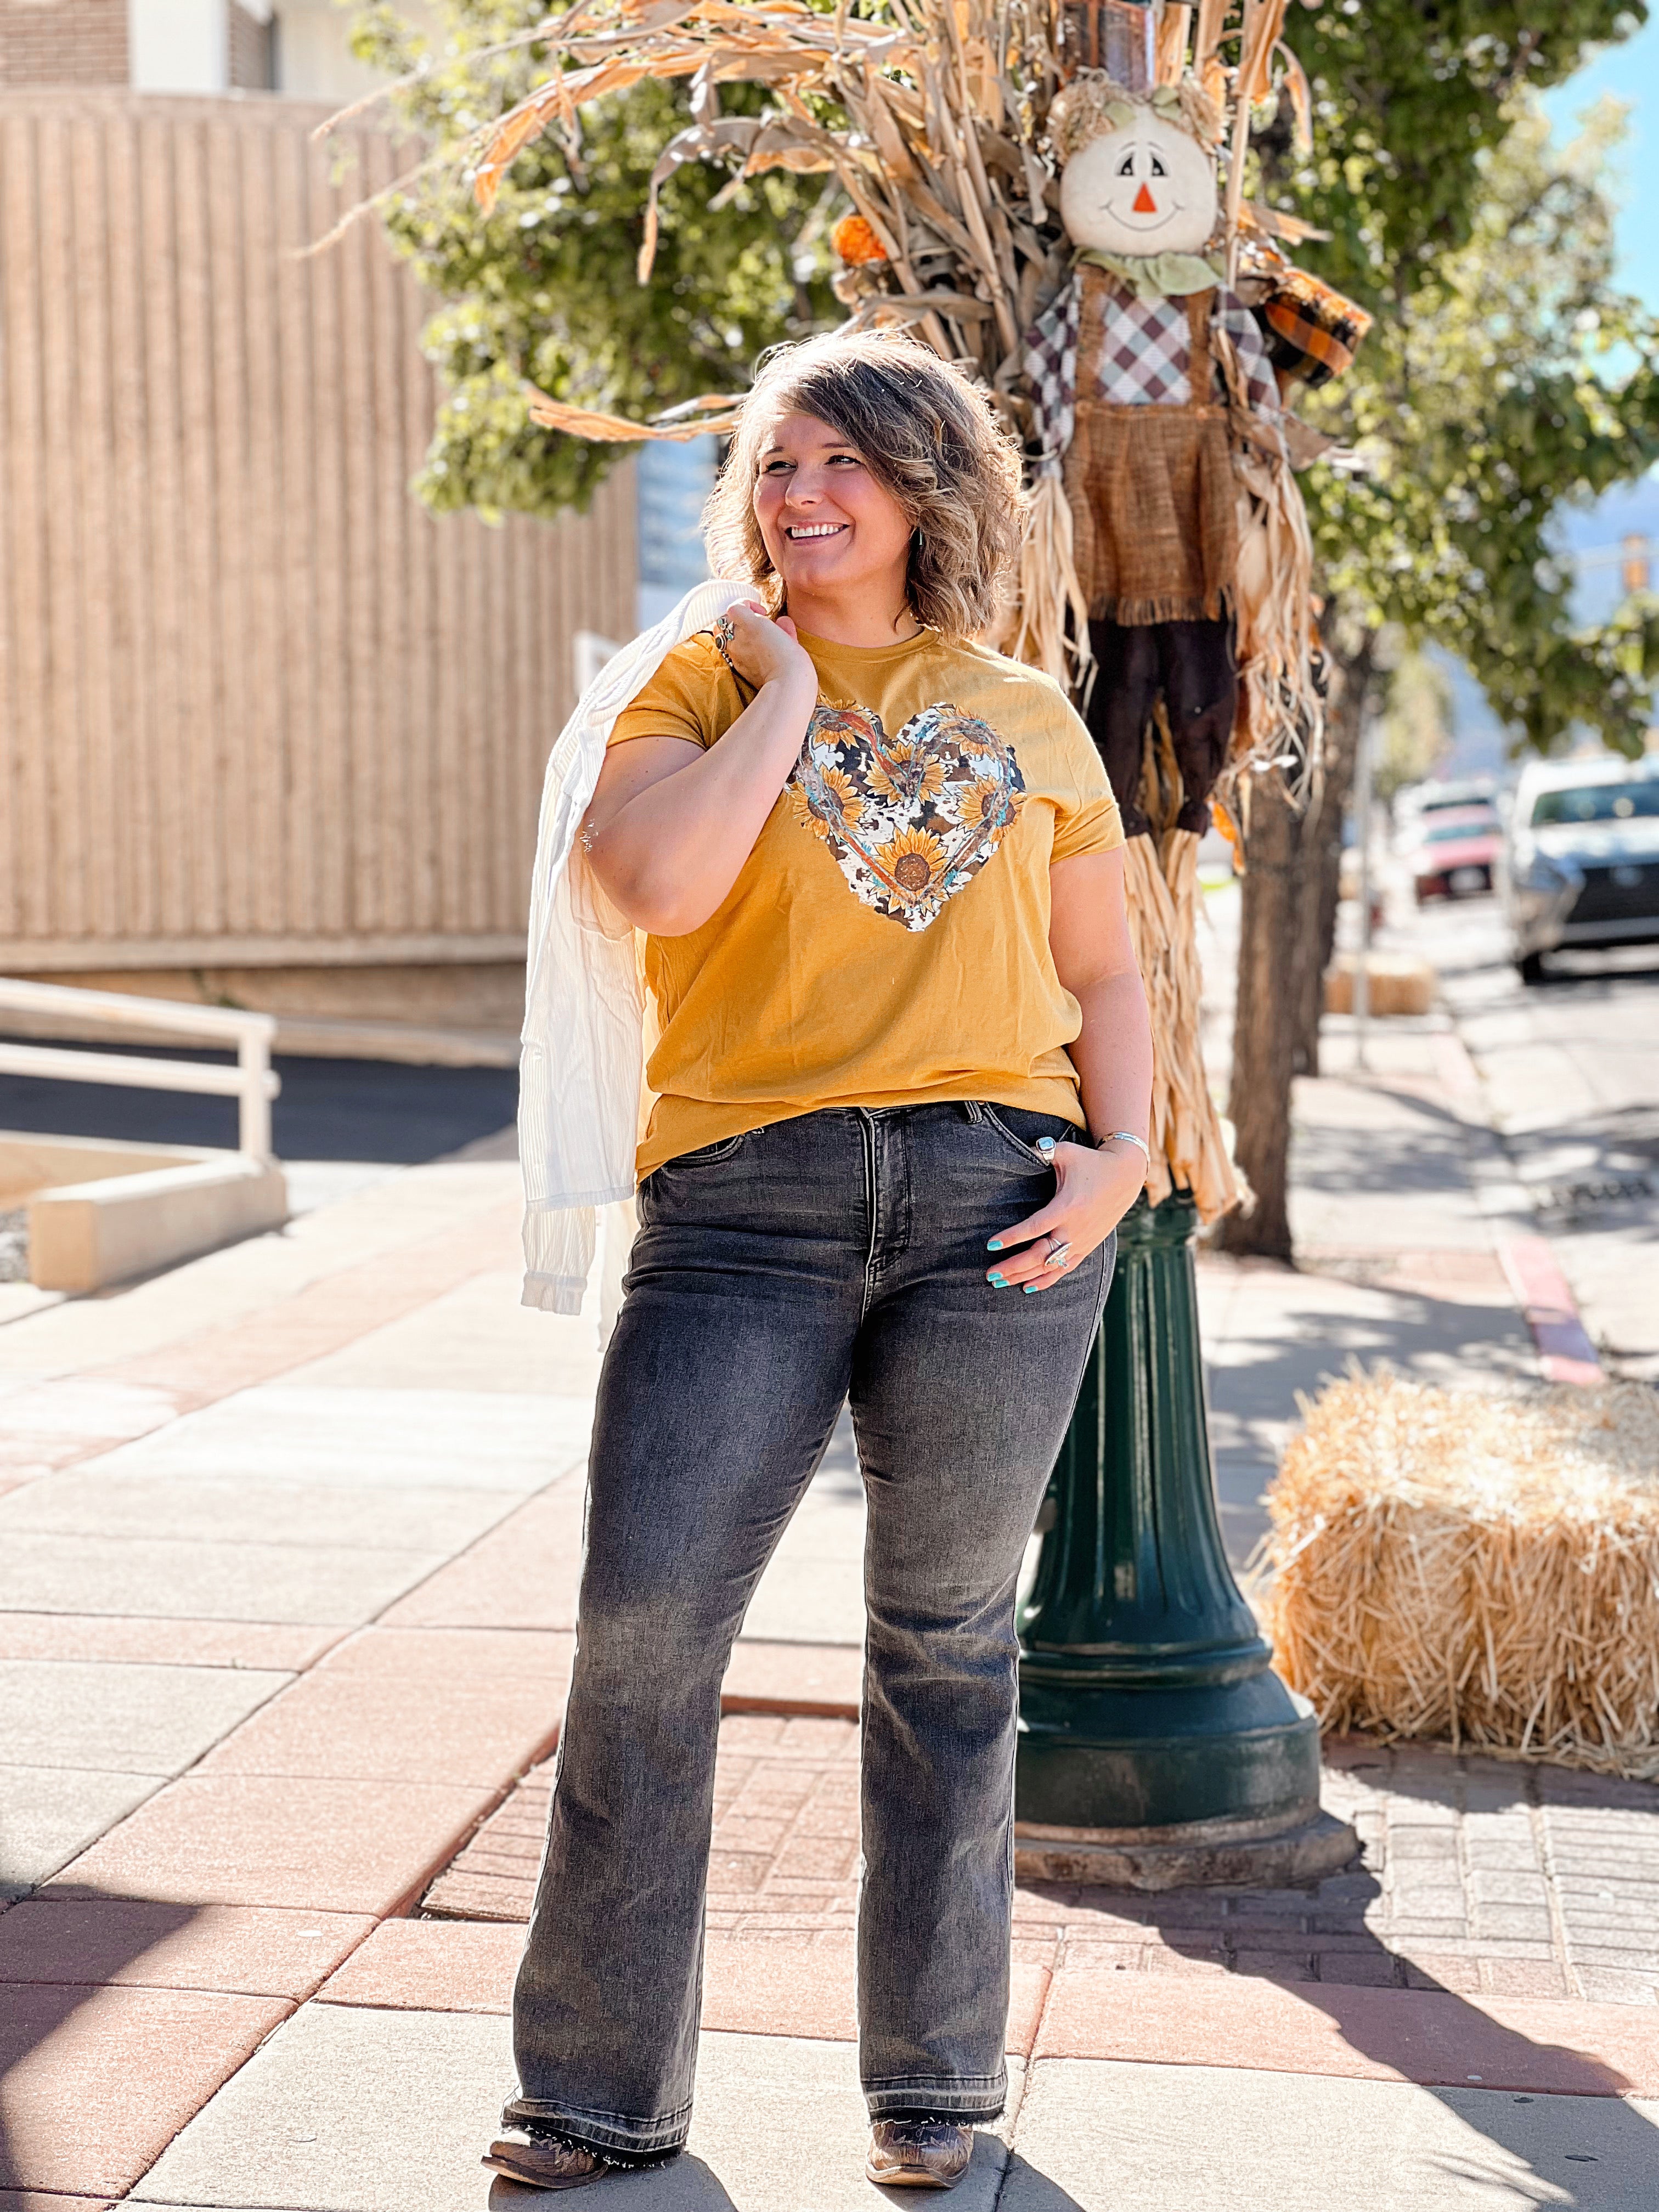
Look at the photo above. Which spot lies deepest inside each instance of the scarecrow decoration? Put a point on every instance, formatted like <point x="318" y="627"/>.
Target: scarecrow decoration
<point x="1035" y="187"/>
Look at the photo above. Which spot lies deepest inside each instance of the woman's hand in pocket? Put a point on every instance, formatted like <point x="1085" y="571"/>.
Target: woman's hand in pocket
<point x="1094" y="1191"/>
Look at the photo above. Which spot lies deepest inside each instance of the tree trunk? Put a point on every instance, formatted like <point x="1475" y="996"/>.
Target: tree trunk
<point x="1287" y="927"/>
<point x="1352" y="675"/>
<point x="1266" y="1021"/>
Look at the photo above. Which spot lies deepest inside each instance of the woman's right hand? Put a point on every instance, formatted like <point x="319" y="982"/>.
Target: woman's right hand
<point x="671" y="822"/>
<point x="767" y="652"/>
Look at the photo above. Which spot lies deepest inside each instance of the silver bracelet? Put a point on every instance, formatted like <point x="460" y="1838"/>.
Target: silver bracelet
<point x="1125" y="1136"/>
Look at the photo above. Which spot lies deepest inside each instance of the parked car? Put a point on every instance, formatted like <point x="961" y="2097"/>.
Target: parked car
<point x="1453" y="850"/>
<point x="1414" y="799"/>
<point x="1415" y="802"/>
<point x="1581" y="861"/>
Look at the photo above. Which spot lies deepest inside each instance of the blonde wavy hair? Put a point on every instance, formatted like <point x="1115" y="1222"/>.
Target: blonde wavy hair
<point x="927" y="435"/>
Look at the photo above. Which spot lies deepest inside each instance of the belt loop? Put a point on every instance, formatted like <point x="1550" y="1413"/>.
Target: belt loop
<point x="973" y="1110"/>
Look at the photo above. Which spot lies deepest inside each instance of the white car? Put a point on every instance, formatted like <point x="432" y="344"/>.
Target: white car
<point x="1580" y="865"/>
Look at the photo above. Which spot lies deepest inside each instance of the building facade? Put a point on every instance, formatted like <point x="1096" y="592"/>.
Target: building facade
<point x="269" y="731"/>
<point x="297" y="47"/>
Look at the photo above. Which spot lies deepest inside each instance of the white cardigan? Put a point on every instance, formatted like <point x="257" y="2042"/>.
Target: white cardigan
<point x="580" y="1064"/>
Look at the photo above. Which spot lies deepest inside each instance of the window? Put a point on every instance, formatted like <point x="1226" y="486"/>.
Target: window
<point x="1596" y="802"/>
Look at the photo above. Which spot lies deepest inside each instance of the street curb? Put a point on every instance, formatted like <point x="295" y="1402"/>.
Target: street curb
<point x="1566" y="1352"/>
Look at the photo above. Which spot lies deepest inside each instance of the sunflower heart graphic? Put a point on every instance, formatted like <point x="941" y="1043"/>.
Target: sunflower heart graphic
<point x="912" y="819"/>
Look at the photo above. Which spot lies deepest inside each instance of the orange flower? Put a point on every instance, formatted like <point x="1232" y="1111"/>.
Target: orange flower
<point x="855" y="241"/>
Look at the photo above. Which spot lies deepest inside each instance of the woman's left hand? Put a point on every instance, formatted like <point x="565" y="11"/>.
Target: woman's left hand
<point x="1095" y="1190"/>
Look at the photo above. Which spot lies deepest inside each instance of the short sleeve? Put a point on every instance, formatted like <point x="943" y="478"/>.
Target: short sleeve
<point x="692" y="696"/>
<point x="1086" y="819"/>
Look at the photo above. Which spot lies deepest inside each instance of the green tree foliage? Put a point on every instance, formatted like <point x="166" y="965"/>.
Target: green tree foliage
<point x="1512" y="382"/>
<point x="1408" y="96"/>
<point x="544" y="287"/>
<point x="1506" y="378"/>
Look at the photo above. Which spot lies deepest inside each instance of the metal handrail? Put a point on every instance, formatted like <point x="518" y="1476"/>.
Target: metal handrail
<point x="253" y="1080"/>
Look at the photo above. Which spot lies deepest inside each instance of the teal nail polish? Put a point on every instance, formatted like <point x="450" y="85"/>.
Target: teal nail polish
<point x="1030" y="1290"/>
<point x="999" y="1283"/>
<point x="995" y="1245"/>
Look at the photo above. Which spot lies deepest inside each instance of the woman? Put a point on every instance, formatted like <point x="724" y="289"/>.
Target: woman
<point x="902" y="1080"/>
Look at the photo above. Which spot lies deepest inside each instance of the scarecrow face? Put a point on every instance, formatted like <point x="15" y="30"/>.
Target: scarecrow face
<point x="1146" y="188"/>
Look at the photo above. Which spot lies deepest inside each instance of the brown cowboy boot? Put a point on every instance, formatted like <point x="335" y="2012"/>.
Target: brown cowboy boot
<point x="541" y="2159"/>
<point x="918" y="2153"/>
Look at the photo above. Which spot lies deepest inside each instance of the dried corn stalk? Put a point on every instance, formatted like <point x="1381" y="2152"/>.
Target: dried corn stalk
<point x="1189" y="1151"/>
<point x="715" y="412"/>
<point x="1280" y="719"/>
<point x="932" y="116"/>
<point x="928" y="113"/>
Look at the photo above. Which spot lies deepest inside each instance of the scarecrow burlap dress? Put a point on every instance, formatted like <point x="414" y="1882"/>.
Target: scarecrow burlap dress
<point x="1155" y="525"/>
<point x="1150" y="488"/>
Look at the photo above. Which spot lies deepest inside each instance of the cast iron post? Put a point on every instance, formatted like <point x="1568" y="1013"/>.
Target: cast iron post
<point x="1157" y="1745"/>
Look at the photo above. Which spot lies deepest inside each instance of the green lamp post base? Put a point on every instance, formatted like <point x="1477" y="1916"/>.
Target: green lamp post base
<point x="1157" y="1745"/>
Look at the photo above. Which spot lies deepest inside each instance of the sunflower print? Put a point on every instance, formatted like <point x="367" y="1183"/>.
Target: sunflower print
<point x="916" y="860"/>
<point x="910" y="820"/>
<point x="836" y="804"/>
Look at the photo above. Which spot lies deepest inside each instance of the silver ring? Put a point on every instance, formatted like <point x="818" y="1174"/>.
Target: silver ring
<point x="725" y="631"/>
<point x="1057" y="1253"/>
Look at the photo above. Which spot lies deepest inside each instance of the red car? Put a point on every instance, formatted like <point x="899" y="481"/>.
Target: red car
<point x="1454" y="852"/>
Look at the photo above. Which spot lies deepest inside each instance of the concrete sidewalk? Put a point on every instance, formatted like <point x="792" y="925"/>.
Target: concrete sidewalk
<point x="288" y="1557"/>
<point x="1401" y="1208"/>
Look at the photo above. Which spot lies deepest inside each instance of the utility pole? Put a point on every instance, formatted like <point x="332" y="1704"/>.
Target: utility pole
<point x="1362" y="973"/>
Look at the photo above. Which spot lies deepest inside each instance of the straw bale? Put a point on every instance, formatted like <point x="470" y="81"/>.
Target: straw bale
<point x="1394" y="984"/>
<point x="1475" y="1567"/>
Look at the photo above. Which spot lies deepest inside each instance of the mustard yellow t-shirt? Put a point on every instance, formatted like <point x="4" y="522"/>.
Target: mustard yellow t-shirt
<point x="886" y="942"/>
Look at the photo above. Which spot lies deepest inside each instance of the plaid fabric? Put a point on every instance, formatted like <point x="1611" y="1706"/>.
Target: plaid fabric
<point x="1145" y="362"/>
<point x="1260" y="385"/>
<point x="1306" y="342"/>
<point x="1051" y="372"/>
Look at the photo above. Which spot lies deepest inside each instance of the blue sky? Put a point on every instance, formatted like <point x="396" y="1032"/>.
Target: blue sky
<point x="1630" y="71"/>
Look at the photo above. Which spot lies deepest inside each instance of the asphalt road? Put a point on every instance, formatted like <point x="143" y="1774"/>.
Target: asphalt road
<point x="358" y="1110"/>
<point x="1572" y="1069"/>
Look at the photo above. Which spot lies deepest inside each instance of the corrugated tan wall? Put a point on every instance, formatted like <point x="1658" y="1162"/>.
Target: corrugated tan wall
<point x="256" y="706"/>
<point x="62" y="42"/>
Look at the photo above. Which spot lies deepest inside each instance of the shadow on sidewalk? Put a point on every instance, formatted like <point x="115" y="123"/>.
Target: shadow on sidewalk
<point x="55" y="1961"/>
<point x="687" y="2184"/>
<point x="328" y="1109"/>
<point x="1314" y="1944"/>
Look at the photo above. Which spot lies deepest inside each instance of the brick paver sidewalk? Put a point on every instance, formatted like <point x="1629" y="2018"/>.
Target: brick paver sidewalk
<point x="1479" y="1876"/>
<point x="289" y="1550"/>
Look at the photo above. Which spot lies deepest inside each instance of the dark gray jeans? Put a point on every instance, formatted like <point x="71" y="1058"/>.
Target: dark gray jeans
<point x="842" y="1253"/>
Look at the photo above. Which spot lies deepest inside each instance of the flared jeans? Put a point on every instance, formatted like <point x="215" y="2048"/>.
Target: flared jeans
<point x="838" y="1255"/>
